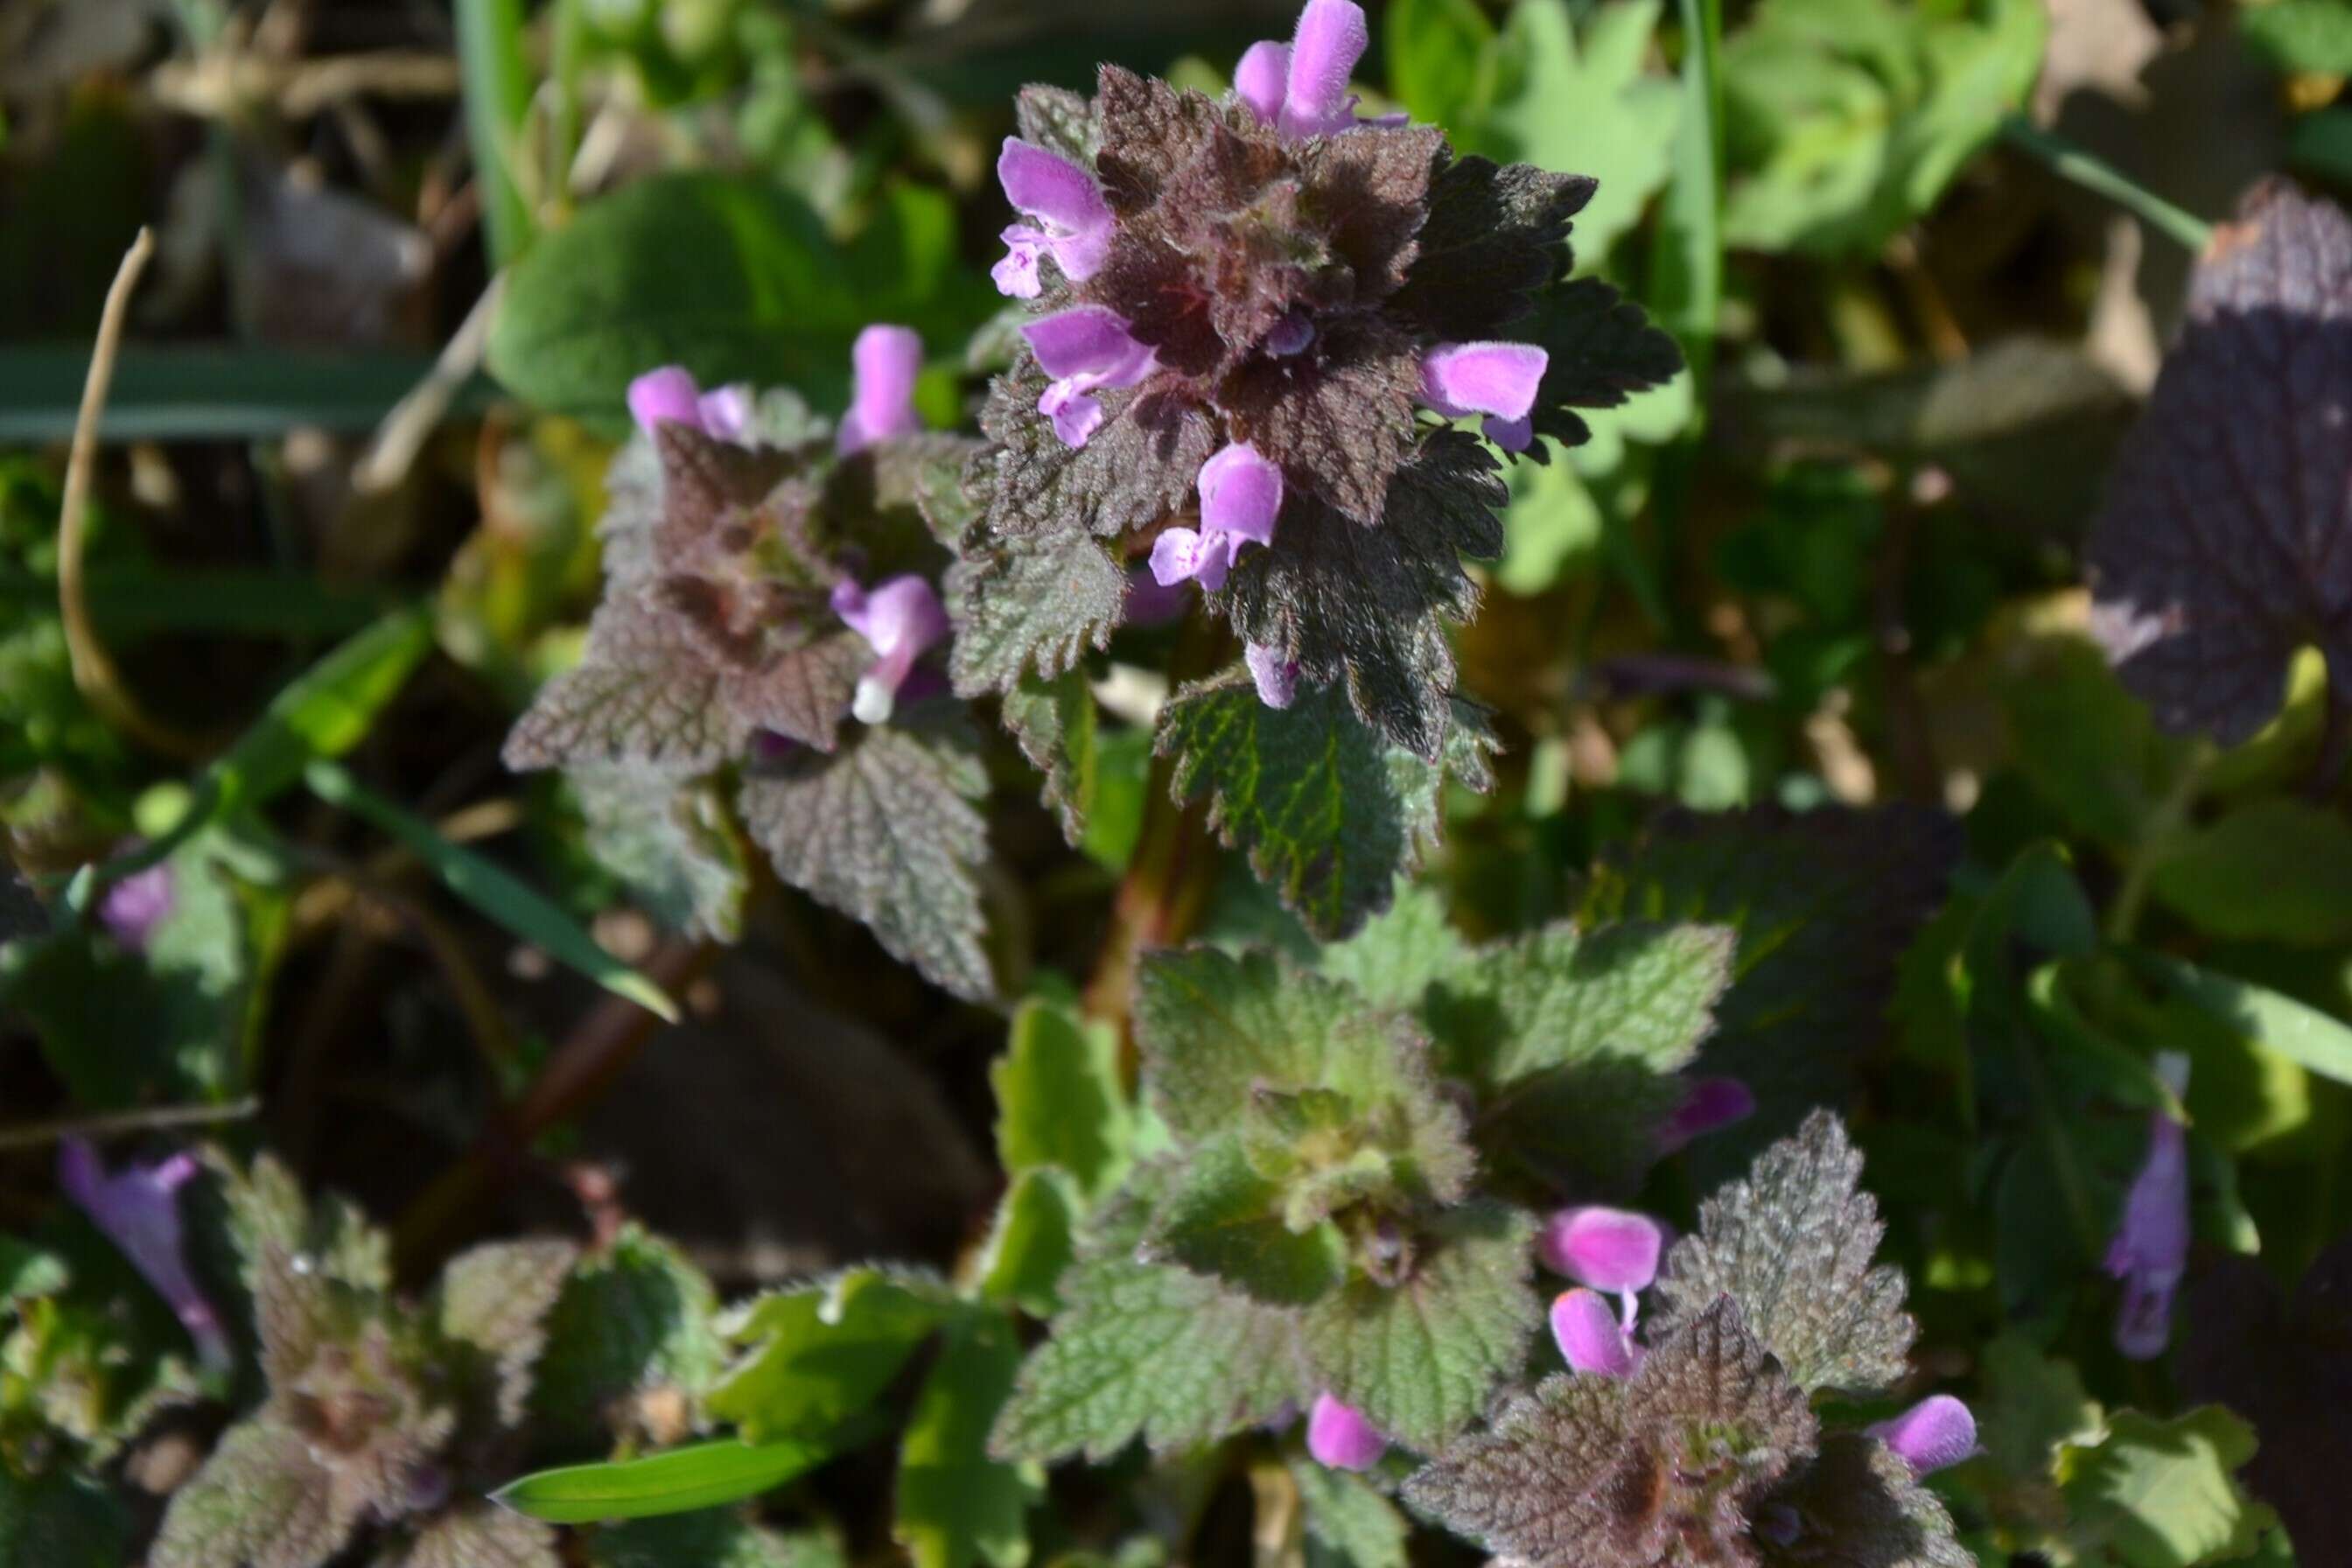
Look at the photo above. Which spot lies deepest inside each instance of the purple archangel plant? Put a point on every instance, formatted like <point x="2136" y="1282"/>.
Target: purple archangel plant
<point x="138" y="1207"/>
<point x="1252" y="324"/>
<point x="1699" y="1446"/>
<point x="764" y="665"/>
<point x="2150" y="1252"/>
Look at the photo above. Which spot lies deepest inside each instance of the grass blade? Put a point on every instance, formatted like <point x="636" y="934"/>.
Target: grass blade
<point x="704" y="1476"/>
<point x="498" y="94"/>
<point x="497" y="894"/>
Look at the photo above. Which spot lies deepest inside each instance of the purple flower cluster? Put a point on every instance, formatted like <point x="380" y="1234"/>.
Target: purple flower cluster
<point x="901" y="619"/>
<point x="1234" y="286"/>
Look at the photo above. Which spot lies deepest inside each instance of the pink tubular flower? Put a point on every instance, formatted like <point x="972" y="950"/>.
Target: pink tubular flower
<point x="884" y="362"/>
<point x="2151" y="1250"/>
<point x="1084" y="350"/>
<point x="1262" y="79"/>
<point x="1276" y="676"/>
<point x="1590" y="1336"/>
<point x="1240" y="500"/>
<point x="1331" y="38"/>
<point x="139" y="1210"/>
<point x="1498" y="380"/>
<point x="1073" y="221"/>
<point x="1937" y="1431"/>
<point x="901" y="619"/>
<point x="1615" y="1250"/>
<point x="671" y="396"/>
<point x="1339" y="1436"/>
<point x="1709" y="1105"/>
<point x="135" y="906"/>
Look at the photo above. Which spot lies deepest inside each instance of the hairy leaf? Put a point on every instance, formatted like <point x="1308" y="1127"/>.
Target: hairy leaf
<point x="1792" y="1244"/>
<point x="1031" y="601"/>
<point x="1603" y="349"/>
<point x="1337" y="418"/>
<point x="956" y="1505"/>
<point x="671" y="841"/>
<point x="821" y="1353"/>
<point x="1421" y="1358"/>
<point x="1033" y="1240"/>
<point x="1225" y="1219"/>
<point x="2160" y="1494"/>
<point x="1400" y="953"/>
<point x="1148" y="1351"/>
<point x="1136" y="468"/>
<point x="1495" y="235"/>
<point x="496" y="1298"/>
<point x="1859" y="1506"/>
<point x="2217" y="555"/>
<point x="1059" y="1098"/>
<point x="1370" y="607"/>
<point x="1824" y="902"/>
<point x="1349" y="1523"/>
<point x="643" y="695"/>
<point x="260" y="1501"/>
<point x="1054" y="722"/>
<point x="885" y="830"/>
<point x="1057" y="120"/>
<point x="1559" y="996"/>
<point x="1330" y="815"/>
<point x="631" y="1329"/>
<point x="476" y="1535"/>
<point x="1556" y="1482"/>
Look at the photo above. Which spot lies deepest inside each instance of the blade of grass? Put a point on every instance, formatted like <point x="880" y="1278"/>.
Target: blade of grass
<point x="497" y="894"/>
<point x="704" y="1476"/>
<point x="322" y="712"/>
<point x="498" y="94"/>
<point x="2070" y="161"/>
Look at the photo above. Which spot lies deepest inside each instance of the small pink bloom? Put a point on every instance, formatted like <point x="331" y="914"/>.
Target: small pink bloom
<point x="1590" y="1337"/>
<point x="884" y="363"/>
<point x="139" y="1210"/>
<point x="1331" y="38"/>
<point x="1498" y="380"/>
<point x="1240" y="501"/>
<point x="1084" y="350"/>
<point x="1709" y="1105"/>
<point x="666" y="397"/>
<point x="1936" y="1432"/>
<point x="1276" y="676"/>
<point x="726" y="412"/>
<point x="133" y="906"/>
<point x="2150" y="1252"/>
<point x="1073" y="221"/>
<point x="1339" y="1436"/>
<point x="901" y="619"/>
<point x="1610" y="1249"/>
<point x="1262" y="79"/>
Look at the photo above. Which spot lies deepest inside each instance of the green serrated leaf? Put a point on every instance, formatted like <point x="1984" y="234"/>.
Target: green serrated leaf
<point x="1329" y="813"/>
<point x="1399" y="953"/>
<point x="1032" y="1241"/>
<point x="671" y="842"/>
<point x="1420" y="1359"/>
<point x="706" y="1475"/>
<point x="1029" y="603"/>
<point x="2160" y="1494"/>
<point x="709" y="1539"/>
<point x="885" y="830"/>
<point x="957" y="1506"/>
<point x="1793" y="1245"/>
<point x="1349" y="1523"/>
<point x="1563" y="995"/>
<point x="1147" y="1352"/>
<point x="1225" y="1219"/>
<point x="821" y="1354"/>
<point x="633" y="1319"/>
<point x="495" y="1298"/>
<point x="1055" y="723"/>
<point x="260" y="1501"/>
<point x="1058" y="1098"/>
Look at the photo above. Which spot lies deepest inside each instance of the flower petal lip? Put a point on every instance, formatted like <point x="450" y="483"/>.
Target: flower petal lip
<point x="884" y="362"/>
<point x="1276" y="676"/>
<point x="1333" y="36"/>
<point x="1608" y="1249"/>
<point x="2149" y="1251"/>
<point x="666" y="397"/>
<point x="1339" y="1436"/>
<point x="1585" y="1328"/>
<point x="1498" y="378"/>
<point x="139" y="1209"/>
<point x="1051" y="189"/>
<point x="1709" y="1105"/>
<point x="1241" y="494"/>
<point x="901" y="619"/>
<point x="1085" y="340"/>
<point x="1176" y="556"/>
<point x="1263" y="79"/>
<point x="1937" y="1431"/>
